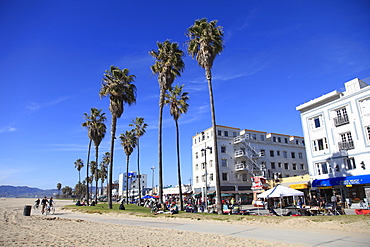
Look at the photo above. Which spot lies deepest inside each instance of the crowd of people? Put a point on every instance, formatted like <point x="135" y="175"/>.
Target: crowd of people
<point x="45" y="203"/>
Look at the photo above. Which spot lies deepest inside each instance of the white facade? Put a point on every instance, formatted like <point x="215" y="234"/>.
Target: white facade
<point x="336" y="129"/>
<point x="133" y="183"/>
<point x="244" y="154"/>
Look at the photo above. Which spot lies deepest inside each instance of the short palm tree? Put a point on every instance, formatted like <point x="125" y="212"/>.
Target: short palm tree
<point x="139" y="129"/>
<point x="167" y="67"/>
<point x="94" y="172"/>
<point x="95" y="129"/>
<point x="177" y="99"/>
<point x="128" y="142"/>
<point x="117" y="84"/>
<point x="59" y="186"/>
<point x="104" y="170"/>
<point x="78" y="165"/>
<point x="204" y="44"/>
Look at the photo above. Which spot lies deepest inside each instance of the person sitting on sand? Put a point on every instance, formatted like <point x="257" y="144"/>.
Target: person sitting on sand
<point x="174" y="208"/>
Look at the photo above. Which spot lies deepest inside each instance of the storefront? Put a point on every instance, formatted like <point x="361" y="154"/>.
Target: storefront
<point x="352" y="189"/>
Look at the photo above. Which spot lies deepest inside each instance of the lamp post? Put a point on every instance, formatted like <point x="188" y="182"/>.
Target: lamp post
<point x="153" y="168"/>
<point x="205" y="170"/>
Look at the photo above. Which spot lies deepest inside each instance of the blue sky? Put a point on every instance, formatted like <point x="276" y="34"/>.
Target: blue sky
<point x="278" y="55"/>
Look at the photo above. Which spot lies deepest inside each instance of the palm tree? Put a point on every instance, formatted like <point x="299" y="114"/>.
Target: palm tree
<point x="103" y="169"/>
<point x="128" y="142"/>
<point x="168" y="66"/>
<point x="205" y="43"/>
<point x="59" y="186"/>
<point x="94" y="174"/>
<point x="139" y="130"/>
<point x="95" y="127"/>
<point x="78" y="165"/>
<point x="117" y="84"/>
<point x="177" y="99"/>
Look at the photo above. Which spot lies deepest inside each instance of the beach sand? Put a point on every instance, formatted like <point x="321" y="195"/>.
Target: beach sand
<point x="39" y="230"/>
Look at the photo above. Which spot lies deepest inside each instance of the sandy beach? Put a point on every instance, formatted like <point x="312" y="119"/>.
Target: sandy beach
<point x="51" y="230"/>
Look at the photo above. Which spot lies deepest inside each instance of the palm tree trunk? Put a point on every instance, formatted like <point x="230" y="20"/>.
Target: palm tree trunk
<point x="138" y="169"/>
<point x="217" y="168"/>
<point x="110" y="173"/>
<point x="87" y="173"/>
<point x="160" y="172"/>
<point x="178" y="165"/>
<point x="96" y="173"/>
<point x="127" y="162"/>
<point x="79" y="184"/>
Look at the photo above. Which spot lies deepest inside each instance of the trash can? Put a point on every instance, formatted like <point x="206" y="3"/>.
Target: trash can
<point x="27" y="210"/>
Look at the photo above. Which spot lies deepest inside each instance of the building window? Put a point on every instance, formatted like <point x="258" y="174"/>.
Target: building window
<point x="286" y="140"/>
<point x="271" y="153"/>
<point x="316" y="122"/>
<point x="223" y="149"/>
<point x="203" y="165"/>
<point x="254" y="136"/>
<point x="262" y="137"/>
<point x="286" y="166"/>
<point x="226" y="133"/>
<point x="219" y="132"/>
<point x="322" y="168"/>
<point x="320" y="144"/>
<point x="234" y="134"/>
<point x="224" y="162"/>
<point x="367" y="130"/>
<point x="195" y="140"/>
<point x="294" y="167"/>
<point x="210" y="163"/>
<point x="211" y="177"/>
<point x="245" y="177"/>
<point x="278" y="153"/>
<point x="262" y="153"/>
<point x="196" y="179"/>
<point x="279" y="164"/>
<point x="203" y="137"/>
<point x="365" y="106"/>
<point x="224" y="176"/>
<point x="203" y="178"/>
<point x="293" y="155"/>
<point x="196" y="167"/>
<point x="273" y="165"/>
<point x="285" y="154"/>
<point x="196" y="155"/>
<point x="300" y="155"/>
<point x="202" y="154"/>
<point x="346" y="141"/>
<point x="274" y="138"/>
<point x="279" y="139"/>
<point x="341" y="117"/>
<point x="302" y="166"/>
<point x="350" y="163"/>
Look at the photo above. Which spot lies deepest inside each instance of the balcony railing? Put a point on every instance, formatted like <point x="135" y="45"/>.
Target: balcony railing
<point x="346" y="145"/>
<point x="338" y="121"/>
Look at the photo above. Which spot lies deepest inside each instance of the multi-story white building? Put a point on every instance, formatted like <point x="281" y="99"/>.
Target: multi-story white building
<point x="133" y="184"/>
<point x="336" y="129"/>
<point x="244" y="154"/>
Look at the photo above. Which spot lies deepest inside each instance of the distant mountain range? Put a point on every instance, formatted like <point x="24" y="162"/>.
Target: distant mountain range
<point x="25" y="192"/>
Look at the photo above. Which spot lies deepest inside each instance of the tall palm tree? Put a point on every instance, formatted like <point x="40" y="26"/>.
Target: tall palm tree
<point x="78" y="165"/>
<point x="128" y="142"/>
<point x="139" y="130"/>
<point x="204" y="44"/>
<point x="104" y="169"/>
<point x="177" y="99"/>
<point x="93" y="123"/>
<point x="117" y="84"/>
<point x="168" y="66"/>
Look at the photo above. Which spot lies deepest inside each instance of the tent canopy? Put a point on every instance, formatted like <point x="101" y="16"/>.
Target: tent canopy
<point x="280" y="191"/>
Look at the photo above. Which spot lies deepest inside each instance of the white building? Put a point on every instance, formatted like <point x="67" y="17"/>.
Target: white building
<point x="336" y="129"/>
<point x="244" y="154"/>
<point x="133" y="184"/>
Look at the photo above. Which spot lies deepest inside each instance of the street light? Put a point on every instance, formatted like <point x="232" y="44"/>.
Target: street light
<point x="205" y="169"/>
<point x="153" y="168"/>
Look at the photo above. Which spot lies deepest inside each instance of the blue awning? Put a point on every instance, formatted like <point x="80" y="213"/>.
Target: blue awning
<point x="350" y="180"/>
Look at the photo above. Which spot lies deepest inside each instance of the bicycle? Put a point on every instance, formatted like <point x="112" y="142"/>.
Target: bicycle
<point x="49" y="210"/>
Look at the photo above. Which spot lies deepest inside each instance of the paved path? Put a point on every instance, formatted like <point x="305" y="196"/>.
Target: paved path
<point x="285" y="235"/>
